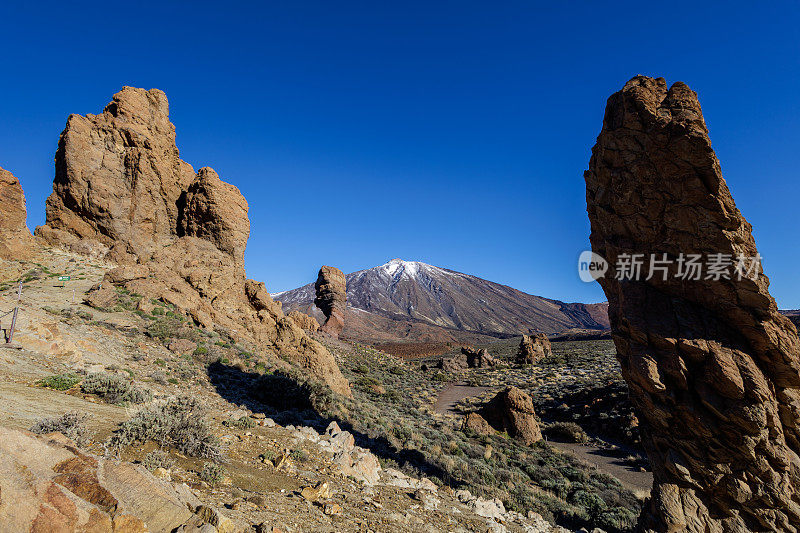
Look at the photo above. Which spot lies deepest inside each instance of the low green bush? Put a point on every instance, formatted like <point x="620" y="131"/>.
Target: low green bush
<point x="60" y="381"/>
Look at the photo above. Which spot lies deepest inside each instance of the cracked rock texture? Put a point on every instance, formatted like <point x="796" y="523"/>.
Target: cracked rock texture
<point x="121" y="190"/>
<point x="713" y="368"/>
<point x="331" y="289"/>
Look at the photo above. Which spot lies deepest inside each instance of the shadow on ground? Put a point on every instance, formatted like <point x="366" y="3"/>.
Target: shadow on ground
<point x="288" y="402"/>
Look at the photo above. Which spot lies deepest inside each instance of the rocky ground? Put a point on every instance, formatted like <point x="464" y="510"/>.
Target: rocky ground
<point x="275" y="457"/>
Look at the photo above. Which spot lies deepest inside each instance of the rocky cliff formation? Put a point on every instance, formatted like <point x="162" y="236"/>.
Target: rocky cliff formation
<point x="121" y="188"/>
<point x="15" y="238"/>
<point x="713" y="368"/>
<point x="331" y="289"/>
<point x="533" y="348"/>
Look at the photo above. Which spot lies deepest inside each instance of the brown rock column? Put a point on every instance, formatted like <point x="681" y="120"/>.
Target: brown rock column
<point x="16" y="240"/>
<point x="331" y="287"/>
<point x="713" y="368"/>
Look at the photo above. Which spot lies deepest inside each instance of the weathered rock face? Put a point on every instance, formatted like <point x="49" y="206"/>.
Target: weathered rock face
<point x="304" y="321"/>
<point x="121" y="186"/>
<point x="49" y="485"/>
<point x="331" y="288"/>
<point x="118" y="177"/>
<point x="512" y="411"/>
<point x="533" y="348"/>
<point x="16" y="240"/>
<point x="713" y="368"/>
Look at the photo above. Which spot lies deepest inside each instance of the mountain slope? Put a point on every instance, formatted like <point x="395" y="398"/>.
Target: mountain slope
<point x="441" y="304"/>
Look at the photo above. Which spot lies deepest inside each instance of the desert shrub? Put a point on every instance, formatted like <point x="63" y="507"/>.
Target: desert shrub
<point x="71" y="425"/>
<point x="114" y="388"/>
<point x="164" y="328"/>
<point x="566" y="431"/>
<point x="158" y="459"/>
<point x="60" y="381"/>
<point x="616" y="519"/>
<point x="178" y="422"/>
<point x="158" y="311"/>
<point x="212" y="473"/>
<point x="301" y="456"/>
<point x="244" y="422"/>
<point x="159" y="377"/>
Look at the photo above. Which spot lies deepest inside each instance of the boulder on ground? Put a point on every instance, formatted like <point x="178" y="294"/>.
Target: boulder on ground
<point x="533" y="348"/>
<point x="467" y="358"/>
<point x="512" y="411"/>
<point x="477" y="424"/>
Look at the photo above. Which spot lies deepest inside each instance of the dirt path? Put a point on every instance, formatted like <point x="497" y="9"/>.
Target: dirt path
<point x="593" y="455"/>
<point x="454" y="393"/>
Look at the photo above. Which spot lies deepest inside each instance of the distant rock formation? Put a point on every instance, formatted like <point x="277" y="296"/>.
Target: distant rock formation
<point x="304" y="321"/>
<point x="180" y="237"/>
<point x="467" y="358"/>
<point x="713" y="368"/>
<point x="331" y="298"/>
<point x="512" y="411"/>
<point x="532" y="348"/>
<point x="16" y="240"/>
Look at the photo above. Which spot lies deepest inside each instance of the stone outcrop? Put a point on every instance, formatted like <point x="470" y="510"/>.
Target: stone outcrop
<point x="713" y="368"/>
<point x="512" y="411"/>
<point x="304" y="321"/>
<point x="180" y="237"/>
<point x="532" y="348"/>
<point x="47" y="484"/>
<point x="467" y="358"/>
<point x="16" y="240"/>
<point x="331" y="298"/>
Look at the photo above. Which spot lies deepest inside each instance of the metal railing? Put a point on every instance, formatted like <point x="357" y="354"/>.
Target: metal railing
<point x="8" y="333"/>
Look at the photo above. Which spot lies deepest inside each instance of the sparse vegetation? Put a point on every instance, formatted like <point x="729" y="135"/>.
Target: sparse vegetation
<point x="60" y="381"/>
<point x="71" y="425"/>
<point x="115" y="388"/>
<point x="158" y="459"/>
<point x="178" y="422"/>
<point x="212" y="473"/>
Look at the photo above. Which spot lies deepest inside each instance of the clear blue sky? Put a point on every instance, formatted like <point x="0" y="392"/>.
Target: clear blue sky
<point x="454" y="133"/>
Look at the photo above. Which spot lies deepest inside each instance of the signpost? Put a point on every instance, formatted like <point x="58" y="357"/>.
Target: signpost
<point x="63" y="278"/>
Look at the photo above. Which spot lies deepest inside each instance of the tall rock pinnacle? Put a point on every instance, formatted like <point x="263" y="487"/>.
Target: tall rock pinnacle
<point x="15" y="238"/>
<point x="713" y="368"/>
<point x="331" y="289"/>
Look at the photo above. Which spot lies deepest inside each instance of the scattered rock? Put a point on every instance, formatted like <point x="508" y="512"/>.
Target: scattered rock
<point x="467" y="358"/>
<point x="331" y="288"/>
<point x="477" y="424"/>
<point x="712" y="367"/>
<point x="314" y="494"/>
<point x="182" y="346"/>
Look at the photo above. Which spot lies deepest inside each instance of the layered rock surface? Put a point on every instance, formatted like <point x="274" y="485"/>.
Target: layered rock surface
<point x="331" y="298"/>
<point x="47" y="484"/>
<point x="713" y="368"/>
<point x="15" y="239"/>
<point x="180" y="237"/>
